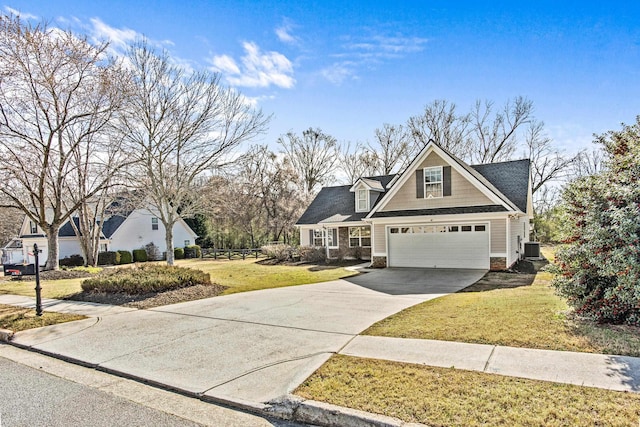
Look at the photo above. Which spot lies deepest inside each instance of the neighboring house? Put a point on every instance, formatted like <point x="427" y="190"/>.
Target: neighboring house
<point x="439" y="213"/>
<point x="128" y="230"/>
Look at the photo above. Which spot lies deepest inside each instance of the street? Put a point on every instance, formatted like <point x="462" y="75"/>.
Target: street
<point x="49" y="392"/>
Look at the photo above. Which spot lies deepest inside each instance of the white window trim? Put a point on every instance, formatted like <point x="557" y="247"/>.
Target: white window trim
<point x="367" y="202"/>
<point x="155" y="224"/>
<point x="325" y="233"/>
<point x="424" y="176"/>
<point x="359" y="237"/>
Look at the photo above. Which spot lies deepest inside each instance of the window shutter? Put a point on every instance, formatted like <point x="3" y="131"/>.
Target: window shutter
<point x="446" y="180"/>
<point x="334" y="231"/>
<point x="311" y="238"/>
<point x="420" y="184"/>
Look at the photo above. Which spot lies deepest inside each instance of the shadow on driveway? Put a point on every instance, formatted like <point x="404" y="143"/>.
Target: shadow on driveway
<point x="416" y="281"/>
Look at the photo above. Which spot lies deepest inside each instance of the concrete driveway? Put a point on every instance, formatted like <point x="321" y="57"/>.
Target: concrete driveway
<point x="251" y="347"/>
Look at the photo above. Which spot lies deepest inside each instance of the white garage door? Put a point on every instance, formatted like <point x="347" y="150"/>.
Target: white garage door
<point x="439" y="246"/>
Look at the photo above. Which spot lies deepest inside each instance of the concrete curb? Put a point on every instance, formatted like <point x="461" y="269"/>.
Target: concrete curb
<point x="288" y="407"/>
<point x="6" y="335"/>
<point x="296" y="409"/>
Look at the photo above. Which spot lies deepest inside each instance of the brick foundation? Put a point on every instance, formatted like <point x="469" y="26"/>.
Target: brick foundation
<point x="497" y="263"/>
<point x="379" y="262"/>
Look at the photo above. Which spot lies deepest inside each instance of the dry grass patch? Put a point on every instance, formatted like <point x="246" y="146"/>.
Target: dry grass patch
<point x="19" y="319"/>
<point x="518" y="310"/>
<point x="452" y="397"/>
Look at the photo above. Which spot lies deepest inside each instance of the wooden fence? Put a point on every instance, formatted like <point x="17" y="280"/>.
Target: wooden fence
<point x="230" y="253"/>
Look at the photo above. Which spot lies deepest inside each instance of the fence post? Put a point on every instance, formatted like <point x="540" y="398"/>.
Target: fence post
<point x="229" y="254"/>
<point x="256" y="254"/>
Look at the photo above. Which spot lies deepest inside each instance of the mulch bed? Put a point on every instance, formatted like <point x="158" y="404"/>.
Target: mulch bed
<point x="153" y="299"/>
<point x="56" y="275"/>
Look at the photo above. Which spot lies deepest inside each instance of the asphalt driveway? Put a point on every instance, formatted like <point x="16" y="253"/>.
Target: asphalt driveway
<point x="253" y="346"/>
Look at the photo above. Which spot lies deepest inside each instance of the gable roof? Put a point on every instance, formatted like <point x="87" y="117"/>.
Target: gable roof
<point x="506" y="182"/>
<point x="510" y="178"/>
<point x="337" y="204"/>
<point x="109" y="227"/>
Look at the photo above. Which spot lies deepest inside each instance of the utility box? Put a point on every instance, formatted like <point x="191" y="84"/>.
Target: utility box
<point x="532" y="250"/>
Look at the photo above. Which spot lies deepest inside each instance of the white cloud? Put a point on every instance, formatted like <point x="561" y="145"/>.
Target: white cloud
<point x="339" y="72"/>
<point x="23" y="15"/>
<point x="120" y="38"/>
<point x="257" y="69"/>
<point x="284" y="33"/>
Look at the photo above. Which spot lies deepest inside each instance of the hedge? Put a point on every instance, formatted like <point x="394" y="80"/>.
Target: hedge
<point x="145" y="279"/>
<point x="139" y="255"/>
<point x="125" y="257"/>
<point x="72" y="261"/>
<point x="108" y="258"/>
<point x="178" y="253"/>
<point x="192" y="251"/>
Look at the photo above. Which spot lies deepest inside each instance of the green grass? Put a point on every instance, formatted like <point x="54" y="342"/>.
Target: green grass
<point x="517" y="310"/>
<point x="238" y="275"/>
<point x="50" y="288"/>
<point x="19" y="319"/>
<point x="452" y="397"/>
<point x="249" y="275"/>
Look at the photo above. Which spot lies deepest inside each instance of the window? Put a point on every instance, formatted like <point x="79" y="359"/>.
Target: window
<point x="187" y="242"/>
<point x="480" y="227"/>
<point x="466" y="228"/>
<point x="154" y="223"/>
<point x="362" y="203"/>
<point x="453" y="229"/>
<point x="360" y="236"/>
<point x="319" y="236"/>
<point x="103" y="247"/>
<point x="394" y="230"/>
<point x="433" y="182"/>
<point x="33" y="228"/>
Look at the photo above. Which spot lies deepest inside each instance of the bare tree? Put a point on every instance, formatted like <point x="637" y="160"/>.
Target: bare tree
<point x="180" y="125"/>
<point x="314" y="156"/>
<point x="547" y="163"/>
<point x="10" y="224"/>
<point x="356" y="162"/>
<point x="588" y="163"/>
<point x="494" y="136"/>
<point x="57" y="94"/>
<point x="441" y="122"/>
<point x="392" y="150"/>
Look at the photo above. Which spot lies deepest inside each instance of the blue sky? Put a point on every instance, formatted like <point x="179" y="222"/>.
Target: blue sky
<point x="350" y="66"/>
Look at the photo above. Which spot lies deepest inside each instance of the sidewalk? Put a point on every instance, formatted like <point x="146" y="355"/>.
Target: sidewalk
<point x="82" y="308"/>
<point x="621" y="373"/>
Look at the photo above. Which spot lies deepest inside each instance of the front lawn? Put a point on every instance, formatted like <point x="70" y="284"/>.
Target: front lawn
<point x="453" y="397"/>
<point x="237" y="275"/>
<point x="19" y="319"/>
<point x="518" y="310"/>
<point x="251" y="275"/>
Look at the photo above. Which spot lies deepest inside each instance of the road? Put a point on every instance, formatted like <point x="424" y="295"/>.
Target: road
<point x="39" y="391"/>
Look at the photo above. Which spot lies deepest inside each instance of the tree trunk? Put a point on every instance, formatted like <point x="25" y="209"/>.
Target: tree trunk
<point x="52" y="249"/>
<point x="169" y="243"/>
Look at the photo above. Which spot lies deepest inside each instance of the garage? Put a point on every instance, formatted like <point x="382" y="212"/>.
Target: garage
<point x="439" y="246"/>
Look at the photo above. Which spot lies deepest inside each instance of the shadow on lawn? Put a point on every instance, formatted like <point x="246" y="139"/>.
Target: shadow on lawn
<point x="521" y="274"/>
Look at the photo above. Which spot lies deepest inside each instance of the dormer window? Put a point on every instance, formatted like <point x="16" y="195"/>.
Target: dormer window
<point x="362" y="200"/>
<point x="33" y="227"/>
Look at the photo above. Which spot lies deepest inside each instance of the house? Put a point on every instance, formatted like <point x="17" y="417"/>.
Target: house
<point x="439" y="213"/>
<point x="122" y="230"/>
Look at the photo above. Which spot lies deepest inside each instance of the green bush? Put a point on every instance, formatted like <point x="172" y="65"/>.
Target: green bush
<point x="145" y="279"/>
<point x="139" y="255"/>
<point x="178" y="253"/>
<point x="125" y="257"/>
<point x="192" y="251"/>
<point x="72" y="261"/>
<point x="108" y="258"/>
